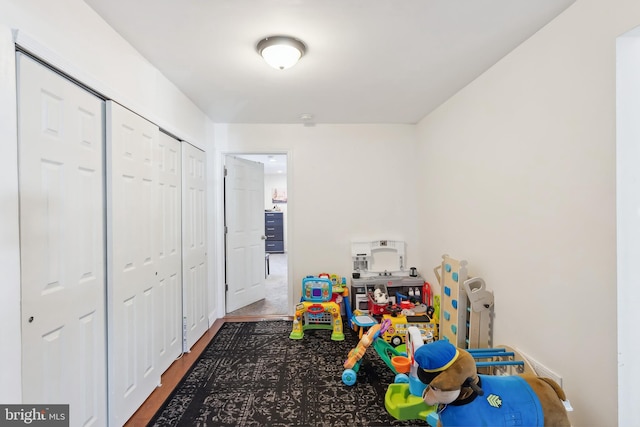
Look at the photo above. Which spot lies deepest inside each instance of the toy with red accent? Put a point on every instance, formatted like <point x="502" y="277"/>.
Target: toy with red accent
<point x="317" y="309"/>
<point x="378" y="299"/>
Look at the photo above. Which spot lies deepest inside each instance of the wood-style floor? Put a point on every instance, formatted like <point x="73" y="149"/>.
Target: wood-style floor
<point x="180" y="367"/>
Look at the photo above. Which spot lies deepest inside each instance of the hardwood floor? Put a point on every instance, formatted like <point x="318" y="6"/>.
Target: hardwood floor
<point x="180" y="367"/>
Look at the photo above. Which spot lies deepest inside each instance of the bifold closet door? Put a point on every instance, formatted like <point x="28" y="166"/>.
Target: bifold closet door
<point x="132" y="261"/>
<point x="169" y="250"/>
<point x="62" y="244"/>
<point x="194" y="243"/>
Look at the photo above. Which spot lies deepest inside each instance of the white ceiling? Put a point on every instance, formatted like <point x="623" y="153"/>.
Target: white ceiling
<point x="376" y="61"/>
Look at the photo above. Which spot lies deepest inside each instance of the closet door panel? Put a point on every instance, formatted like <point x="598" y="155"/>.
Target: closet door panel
<point x="194" y="243"/>
<point x="132" y="179"/>
<point x="62" y="243"/>
<point x="168" y="223"/>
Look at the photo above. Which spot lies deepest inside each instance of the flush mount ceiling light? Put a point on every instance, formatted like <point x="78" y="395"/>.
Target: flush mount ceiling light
<point x="281" y="52"/>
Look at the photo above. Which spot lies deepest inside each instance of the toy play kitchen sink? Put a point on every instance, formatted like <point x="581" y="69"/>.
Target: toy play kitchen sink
<point x="382" y="262"/>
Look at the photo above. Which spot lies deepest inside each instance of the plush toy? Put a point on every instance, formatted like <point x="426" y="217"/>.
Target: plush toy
<point x="380" y="297"/>
<point x="468" y="399"/>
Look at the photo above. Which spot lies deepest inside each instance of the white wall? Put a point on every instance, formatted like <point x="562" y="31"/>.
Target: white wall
<point x="272" y="181"/>
<point x="518" y="176"/>
<point x="345" y="182"/>
<point x="71" y="36"/>
<point x="628" y="181"/>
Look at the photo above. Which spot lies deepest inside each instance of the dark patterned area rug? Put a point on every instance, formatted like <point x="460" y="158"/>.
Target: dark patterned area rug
<point x="252" y="374"/>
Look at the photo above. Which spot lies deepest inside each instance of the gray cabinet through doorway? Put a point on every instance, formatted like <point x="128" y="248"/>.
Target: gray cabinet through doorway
<point x="273" y="228"/>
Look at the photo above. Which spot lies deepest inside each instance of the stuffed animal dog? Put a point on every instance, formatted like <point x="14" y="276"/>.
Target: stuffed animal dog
<point x="380" y="297"/>
<point x="468" y="399"/>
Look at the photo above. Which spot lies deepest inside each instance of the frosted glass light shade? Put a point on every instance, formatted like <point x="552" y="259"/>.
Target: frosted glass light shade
<point x="281" y="52"/>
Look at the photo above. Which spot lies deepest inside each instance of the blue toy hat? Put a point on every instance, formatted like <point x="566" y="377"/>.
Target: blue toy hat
<point x="436" y="356"/>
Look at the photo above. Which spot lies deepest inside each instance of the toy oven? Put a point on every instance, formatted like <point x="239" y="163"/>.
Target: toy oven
<point x="360" y="299"/>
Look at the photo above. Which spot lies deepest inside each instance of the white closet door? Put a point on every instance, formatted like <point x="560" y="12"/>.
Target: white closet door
<point x="169" y="233"/>
<point x="62" y="244"/>
<point x="194" y="243"/>
<point x="132" y="260"/>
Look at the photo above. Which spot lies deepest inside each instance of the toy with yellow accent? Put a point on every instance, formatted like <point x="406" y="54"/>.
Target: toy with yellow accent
<point x="394" y="359"/>
<point x="361" y="322"/>
<point x="403" y="399"/>
<point x="316" y="310"/>
<point x="358" y="351"/>
<point x="397" y="331"/>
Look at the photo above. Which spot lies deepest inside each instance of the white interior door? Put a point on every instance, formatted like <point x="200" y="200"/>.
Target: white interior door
<point x="245" y="239"/>
<point x="62" y="244"/>
<point x="169" y="250"/>
<point x="132" y="260"/>
<point x="194" y="243"/>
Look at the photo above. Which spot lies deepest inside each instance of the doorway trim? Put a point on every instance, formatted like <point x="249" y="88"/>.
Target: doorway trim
<point x="627" y="219"/>
<point x="220" y="226"/>
<point x="10" y="314"/>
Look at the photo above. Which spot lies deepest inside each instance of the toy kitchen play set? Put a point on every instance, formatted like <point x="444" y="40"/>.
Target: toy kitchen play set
<point x="378" y="264"/>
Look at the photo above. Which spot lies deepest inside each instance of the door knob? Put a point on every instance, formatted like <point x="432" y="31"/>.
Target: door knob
<point x="263" y="237"/>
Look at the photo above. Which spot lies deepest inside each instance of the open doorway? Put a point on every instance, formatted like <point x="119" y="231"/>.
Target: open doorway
<point x="276" y="267"/>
